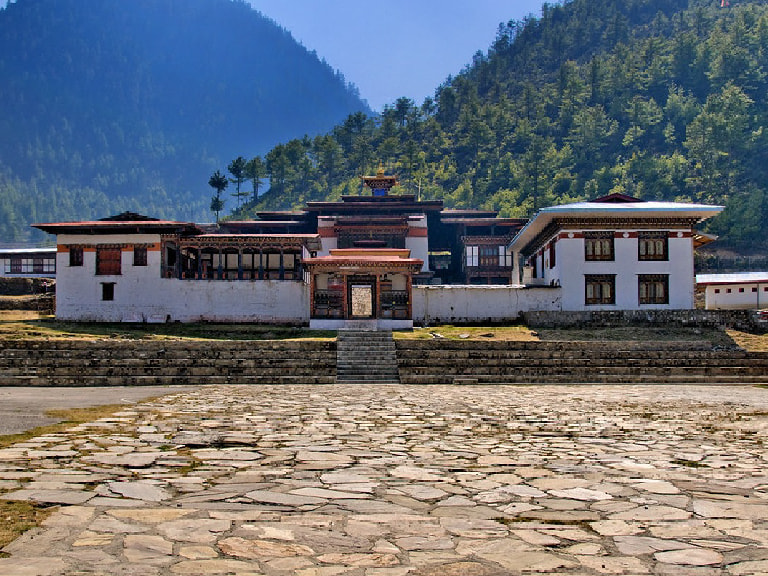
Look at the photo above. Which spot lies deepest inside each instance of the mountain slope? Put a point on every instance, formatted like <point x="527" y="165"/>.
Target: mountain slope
<point x="108" y="105"/>
<point x="660" y="99"/>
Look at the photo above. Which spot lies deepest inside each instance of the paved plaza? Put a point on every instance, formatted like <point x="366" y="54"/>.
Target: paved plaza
<point x="398" y="480"/>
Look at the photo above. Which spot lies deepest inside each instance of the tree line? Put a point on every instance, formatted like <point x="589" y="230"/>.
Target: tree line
<point x="662" y="100"/>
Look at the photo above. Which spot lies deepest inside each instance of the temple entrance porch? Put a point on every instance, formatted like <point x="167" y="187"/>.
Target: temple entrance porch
<point x="355" y="285"/>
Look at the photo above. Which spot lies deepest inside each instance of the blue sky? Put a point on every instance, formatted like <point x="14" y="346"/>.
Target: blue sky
<point x="398" y="47"/>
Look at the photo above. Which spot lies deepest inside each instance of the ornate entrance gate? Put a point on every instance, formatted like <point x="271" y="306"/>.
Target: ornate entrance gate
<point x="361" y="297"/>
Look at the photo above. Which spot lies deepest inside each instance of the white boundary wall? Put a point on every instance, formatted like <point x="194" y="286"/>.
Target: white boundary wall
<point x="460" y="303"/>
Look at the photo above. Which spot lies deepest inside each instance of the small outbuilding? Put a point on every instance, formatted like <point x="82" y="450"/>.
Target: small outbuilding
<point x="739" y="291"/>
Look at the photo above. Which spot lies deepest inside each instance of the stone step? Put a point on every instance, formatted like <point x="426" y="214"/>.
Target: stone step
<point x="366" y="358"/>
<point x="166" y="380"/>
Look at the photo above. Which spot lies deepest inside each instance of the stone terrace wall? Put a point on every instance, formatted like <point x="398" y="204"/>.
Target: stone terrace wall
<point x="746" y="320"/>
<point x="443" y="361"/>
<point x="136" y="363"/>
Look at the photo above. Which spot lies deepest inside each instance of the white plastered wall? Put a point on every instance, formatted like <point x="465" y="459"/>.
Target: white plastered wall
<point x="142" y="295"/>
<point x="325" y="225"/>
<point x="463" y="303"/>
<point x="571" y="267"/>
<point x="417" y="244"/>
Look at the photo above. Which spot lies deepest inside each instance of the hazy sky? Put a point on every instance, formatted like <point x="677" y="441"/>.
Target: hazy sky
<point x="398" y="47"/>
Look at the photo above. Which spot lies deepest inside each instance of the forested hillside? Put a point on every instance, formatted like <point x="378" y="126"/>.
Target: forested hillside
<point x="111" y="105"/>
<point x="659" y="99"/>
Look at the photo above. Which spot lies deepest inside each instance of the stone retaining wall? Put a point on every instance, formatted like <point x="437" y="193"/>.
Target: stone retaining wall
<point x="745" y="320"/>
<point x="134" y="363"/>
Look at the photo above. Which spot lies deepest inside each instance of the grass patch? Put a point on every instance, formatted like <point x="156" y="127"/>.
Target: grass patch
<point x="751" y="342"/>
<point x="24" y="325"/>
<point x="641" y="333"/>
<point x="17" y="518"/>
<point x="583" y="524"/>
<point x="516" y="332"/>
<point x="67" y="418"/>
<point x="689" y="463"/>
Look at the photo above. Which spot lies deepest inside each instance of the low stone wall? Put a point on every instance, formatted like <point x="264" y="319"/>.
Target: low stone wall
<point x="43" y="303"/>
<point x="746" y="320"/>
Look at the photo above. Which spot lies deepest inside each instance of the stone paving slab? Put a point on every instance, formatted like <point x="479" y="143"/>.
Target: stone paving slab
<point x="403" y="481"/>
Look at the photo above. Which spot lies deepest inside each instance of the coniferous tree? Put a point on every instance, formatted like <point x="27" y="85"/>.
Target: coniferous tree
<point x="237" y="169"/>
<point x="255" y="171"/>
<point x="218" y="182"/>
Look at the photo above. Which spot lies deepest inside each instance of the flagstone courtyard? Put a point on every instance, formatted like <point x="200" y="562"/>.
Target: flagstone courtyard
<point x="403" y="480"/>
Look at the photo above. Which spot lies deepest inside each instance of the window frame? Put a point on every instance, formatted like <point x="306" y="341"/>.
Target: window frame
<point x="647" y="289"/>
<point x="107" y="291"/>
<point x="109" y="261"/>
<point x="76" y="256"/>
<point x="472" y="256"/>
<point x="140" y="255"/>
<point x="594" y="289"/>
<point x="648" y="245"/>
<point x="599" y="247"/>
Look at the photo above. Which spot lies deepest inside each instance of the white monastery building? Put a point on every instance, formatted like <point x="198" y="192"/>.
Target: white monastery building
<point x="28" y="262"/>
<point x="615" y="252"/>
<point x="379" y="257"/>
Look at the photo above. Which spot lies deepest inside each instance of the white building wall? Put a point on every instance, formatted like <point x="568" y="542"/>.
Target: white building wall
<point x="330" y="242"/>
<point x="461" y="303"/>
<point x="753" y="297"/>
<point x="141" y="295"/>
<point x="572" y="268"/>
<point x="419" y="248"/>
<point x="417" y="244"/>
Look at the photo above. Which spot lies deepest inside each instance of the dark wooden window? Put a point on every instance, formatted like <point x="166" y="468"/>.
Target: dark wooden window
<point x="489" y="256"/>
<point x="76" y="256"/>
<point x="653" y="289"/>
<point x="108" y="291"/>
<point x="139" y="255"/>
<point x="600" y="289"/>
<point x="598" y="246"/>
<point x="16" y="265"/>
<point x="552" y="252"/>
<point x="108" y="261"/>
<point x="652" y="246"/>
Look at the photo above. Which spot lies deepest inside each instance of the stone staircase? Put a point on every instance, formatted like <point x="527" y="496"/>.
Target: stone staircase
<point x="493" y="362"/>
<point x="154" y="363"/>
<point x="366" y="357"/>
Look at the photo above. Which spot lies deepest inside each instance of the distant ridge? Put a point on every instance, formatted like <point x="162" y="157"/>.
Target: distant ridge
<point x="111" y="105"/>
